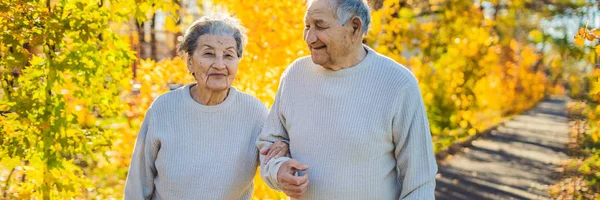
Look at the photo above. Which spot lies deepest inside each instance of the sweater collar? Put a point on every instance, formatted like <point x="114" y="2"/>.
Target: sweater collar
<point x="190" y="102"/>
<point x="367" y="60"/>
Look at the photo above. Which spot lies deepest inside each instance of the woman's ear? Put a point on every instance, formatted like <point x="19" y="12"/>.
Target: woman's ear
<point x="189" y="62"/>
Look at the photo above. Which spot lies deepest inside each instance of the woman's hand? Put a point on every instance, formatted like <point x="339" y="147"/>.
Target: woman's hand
<point x="276" y="150"/>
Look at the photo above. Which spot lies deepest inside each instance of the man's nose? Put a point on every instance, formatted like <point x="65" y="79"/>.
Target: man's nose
<point x="310" y="37"/>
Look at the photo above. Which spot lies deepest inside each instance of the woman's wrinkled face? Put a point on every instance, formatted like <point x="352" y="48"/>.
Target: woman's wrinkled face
<point x="214" y="62"/>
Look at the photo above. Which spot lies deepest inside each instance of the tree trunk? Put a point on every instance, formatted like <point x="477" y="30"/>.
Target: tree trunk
<point x="178" y="33"/>
<point x="153" y="53"/>
<point x="142" y="54"/>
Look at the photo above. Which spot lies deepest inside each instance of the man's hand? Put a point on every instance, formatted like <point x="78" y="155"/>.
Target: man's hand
<point x="276" y="150"/>
<point x="293" y="186"/>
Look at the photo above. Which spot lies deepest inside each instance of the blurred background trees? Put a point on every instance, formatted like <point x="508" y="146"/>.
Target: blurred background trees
<point x="78" y="76"/>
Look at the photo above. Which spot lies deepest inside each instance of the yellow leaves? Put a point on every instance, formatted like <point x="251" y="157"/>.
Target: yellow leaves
<point x="585" y="34"/>
<point x="170" y="25"/>
<point x="536" y="36"/>
<point x="274" y="41"/>
<point x="472" y="131"/>
<point x="590" y="37"/>
<point x="388" y="4"/>
<point x="406" y="13"/>
<point x="376" y="25"/>
<point x="529" y="56"/>
<point x="427" y="27"/>
<point x="596" y="33"/>
<point x="459" y="63"/>
<point x="595" y="87"/>
<point x="514" y="45"/>
<point x="579" y="40"/>
<point x="36" y="61"/>
<point x="464" y="124"/>
<point x="141" y="12"/>
<point x="582" y="31"/>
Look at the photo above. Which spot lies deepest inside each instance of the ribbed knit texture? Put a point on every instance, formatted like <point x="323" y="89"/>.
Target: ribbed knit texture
<point x="363" y="131"/>
<point x="186" y="150"/>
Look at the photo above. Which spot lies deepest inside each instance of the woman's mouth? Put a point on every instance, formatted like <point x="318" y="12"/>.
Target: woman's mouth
<point x="217" y="75"/>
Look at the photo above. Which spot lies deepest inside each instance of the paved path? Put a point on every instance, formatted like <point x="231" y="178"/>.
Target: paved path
<point x="517" y="161"/>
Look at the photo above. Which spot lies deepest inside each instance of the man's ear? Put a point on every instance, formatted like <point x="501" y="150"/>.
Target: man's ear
<point x="357" y="26"/>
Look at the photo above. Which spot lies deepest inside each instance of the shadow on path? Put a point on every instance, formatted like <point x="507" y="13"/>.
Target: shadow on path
<point x="517" y="161"/>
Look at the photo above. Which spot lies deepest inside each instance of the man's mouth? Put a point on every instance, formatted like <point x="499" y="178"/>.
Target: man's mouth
<point x="319" y="47"/>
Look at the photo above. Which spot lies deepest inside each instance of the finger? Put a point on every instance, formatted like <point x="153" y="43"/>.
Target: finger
<point x="277" y="145"/>
<point x="273" y="151"/>
<point x="280" y="153"/>
<point x="295" y="191"/>
<point x="281" y="147"/>
<point x="265" y="151"/>
<point x="300" y="180"/>
<point x="302" y="188"/>
<point x="296" y="180"/>
<point x="292" y="194"/>
<point x="270" y="155"/>
<point x="285" y="172"/>
<point x="291" y="189"/>
<point x="298" y="166"/>
<point x="290" y="179"/>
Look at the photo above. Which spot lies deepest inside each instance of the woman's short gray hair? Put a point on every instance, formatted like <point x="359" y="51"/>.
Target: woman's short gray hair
<point x="213" y="24"/>
<point x="345" y="10"/>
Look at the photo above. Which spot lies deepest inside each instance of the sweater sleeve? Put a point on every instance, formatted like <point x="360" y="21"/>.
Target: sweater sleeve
<point x="140" y="178"/>
<point x="415" y="160"/>
<point x="259" y="126"/>
<point x="273" y="130"/>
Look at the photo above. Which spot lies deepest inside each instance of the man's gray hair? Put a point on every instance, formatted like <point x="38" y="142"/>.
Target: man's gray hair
<point x="213" y="24"/>
<point x="345" y="10"/>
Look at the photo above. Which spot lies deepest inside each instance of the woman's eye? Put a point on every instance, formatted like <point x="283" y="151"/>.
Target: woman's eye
<point x="208" y="54"/>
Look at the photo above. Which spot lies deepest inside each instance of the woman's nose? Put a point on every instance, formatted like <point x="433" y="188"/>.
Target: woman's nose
<point x="219" y="63"/>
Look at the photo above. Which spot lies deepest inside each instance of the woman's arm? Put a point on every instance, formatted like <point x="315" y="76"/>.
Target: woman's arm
<point x="140" y="178"/>
<point x="278" y="149"/>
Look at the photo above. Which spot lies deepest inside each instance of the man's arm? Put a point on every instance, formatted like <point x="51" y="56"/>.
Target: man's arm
<point x="140" y="177"/>
<point x="415" y="160"/>
<point x="273" y="131"/>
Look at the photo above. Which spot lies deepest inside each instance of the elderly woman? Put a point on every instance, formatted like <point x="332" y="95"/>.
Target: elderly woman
<point x="197" y="142"/>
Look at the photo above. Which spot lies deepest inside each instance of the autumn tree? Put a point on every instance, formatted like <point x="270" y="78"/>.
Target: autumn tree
<point x="61" y="68"/>
<point x="70" y="107"/>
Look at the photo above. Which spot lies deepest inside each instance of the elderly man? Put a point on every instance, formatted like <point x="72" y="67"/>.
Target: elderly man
<point x="354" y="119"/>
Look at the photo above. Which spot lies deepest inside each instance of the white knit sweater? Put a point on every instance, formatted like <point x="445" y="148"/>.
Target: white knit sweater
<point x="363" y="131"/>
<point x="186" y="150"/>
